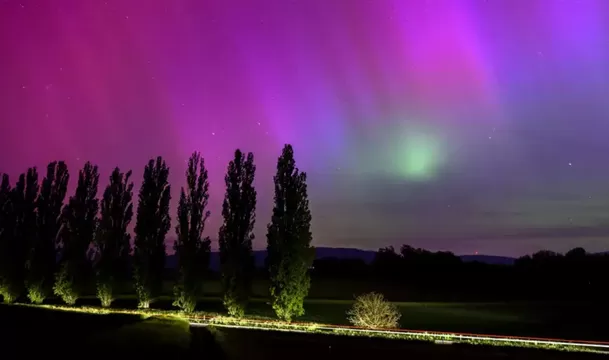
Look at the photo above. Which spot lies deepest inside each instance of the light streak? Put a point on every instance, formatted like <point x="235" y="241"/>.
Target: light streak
<point x="202" y="320"/>
<point x="232" y="326"/>
<point x="432" y="335"/>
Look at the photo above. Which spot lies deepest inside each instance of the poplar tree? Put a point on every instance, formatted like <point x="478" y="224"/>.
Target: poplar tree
<point x="112" y="241"/>
<point x="43" y="256"/>
<point x="289" y="250"/>
<point x="23" y="199"/>
<point x="9" y="246"/>
<point x="79" y="224"/>
<point x="237" y="233"/>
<point x="152" y="224"/>
<point x="192" y="250"/>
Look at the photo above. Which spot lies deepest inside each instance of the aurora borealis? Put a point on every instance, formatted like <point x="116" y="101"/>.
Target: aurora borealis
<point x="454" y="125"/>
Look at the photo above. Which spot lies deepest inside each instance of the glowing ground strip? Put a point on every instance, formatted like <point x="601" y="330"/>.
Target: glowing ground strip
<point x="455" y="336"/>
<point x="208" y="321"/>
<point x="249" y="327"/>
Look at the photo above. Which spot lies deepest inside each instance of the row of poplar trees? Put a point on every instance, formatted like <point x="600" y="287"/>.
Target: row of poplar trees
<point x="46" y="245"/>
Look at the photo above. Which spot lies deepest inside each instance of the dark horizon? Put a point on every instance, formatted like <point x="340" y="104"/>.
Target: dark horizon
<point x="367" y="255"/>
<point x="398" y="244"/>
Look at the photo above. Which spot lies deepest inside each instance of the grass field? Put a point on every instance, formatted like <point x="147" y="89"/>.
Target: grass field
<point x="552" y="320"/>
<point x="77" y="334"/>
<point x="566" y="320"/>
<point x="575" y="321"/>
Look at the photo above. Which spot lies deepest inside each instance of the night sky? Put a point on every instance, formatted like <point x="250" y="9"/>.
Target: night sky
<point x="469" y="126"/>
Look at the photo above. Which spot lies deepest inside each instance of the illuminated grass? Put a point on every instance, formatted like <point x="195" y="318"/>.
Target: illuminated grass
<point x="145" y="313"/>
<point x="472" y="339"/>
<point x="219" y="320"/>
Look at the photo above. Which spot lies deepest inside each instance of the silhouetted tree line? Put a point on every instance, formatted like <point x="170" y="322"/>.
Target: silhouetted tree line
<point x="418" y="274"/>
<point x="52" y="247"/>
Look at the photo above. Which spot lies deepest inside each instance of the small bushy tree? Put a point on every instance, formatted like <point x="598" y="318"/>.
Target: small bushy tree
<point x="152" y="224"/>
<point x="79" y="224"/>
<point x="191" y="248"/>
<point x="290" y="254"/>
<point x="237" y="233"/>
<point x="373" y="311"/>
<point x="112" y="239"/>
<point x="65" y="285"/>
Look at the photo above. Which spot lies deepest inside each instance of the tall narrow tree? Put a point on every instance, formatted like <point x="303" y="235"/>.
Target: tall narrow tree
<point x="191" y="248"/>
<point x="112" y="239"/>
<point x="290" y="254"/>
<point x="23" y="199"/>
<point x="237" y="233"/>
<point x="79" y="223"/>
<point x="43" y="256"/>
<point x="9" y="246"/>
<point x="152" y="224"/>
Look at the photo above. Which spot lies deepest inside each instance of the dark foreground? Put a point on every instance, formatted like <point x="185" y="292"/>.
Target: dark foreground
<point x="40" y="333"/>
<point x="260" y="344"/>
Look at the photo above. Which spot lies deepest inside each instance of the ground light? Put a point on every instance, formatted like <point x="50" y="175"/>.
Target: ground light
<point x="445" y="338"/>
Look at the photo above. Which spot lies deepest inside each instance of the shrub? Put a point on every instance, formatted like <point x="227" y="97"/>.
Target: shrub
<point x="9" y="295"/>
<point x="104" y="294"/>
<point x="64" y="286"/>
<point x="143" y="294"/>
<point x="233" y="306"/>
<point x="185" y="300"/>
<point x="36" y="294"/>
<point x="373" y="311"/>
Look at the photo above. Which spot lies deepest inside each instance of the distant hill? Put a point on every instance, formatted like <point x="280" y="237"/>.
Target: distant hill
<point x="344" y="253"/>
<point x="489" y="259"/>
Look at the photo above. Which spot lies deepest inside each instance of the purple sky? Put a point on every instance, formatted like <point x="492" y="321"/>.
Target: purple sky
<point x="451" y="125"/>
